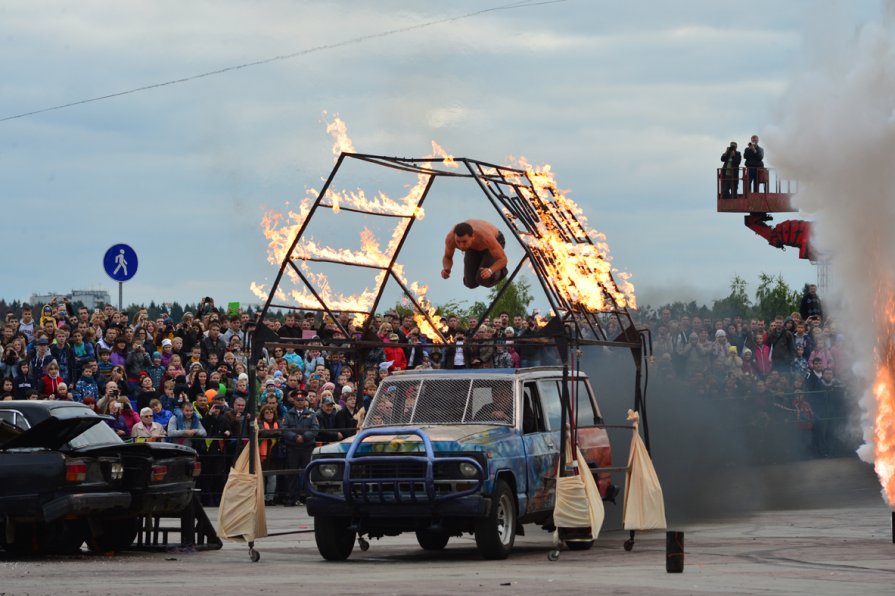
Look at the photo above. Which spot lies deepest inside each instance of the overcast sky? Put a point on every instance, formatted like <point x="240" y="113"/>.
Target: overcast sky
<point x="631" y="103"/>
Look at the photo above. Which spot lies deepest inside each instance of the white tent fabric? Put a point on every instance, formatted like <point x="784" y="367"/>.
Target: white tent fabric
<point x="241" y="516"/>
<point x="644" y="507"/>
<point x="578" y="502"/>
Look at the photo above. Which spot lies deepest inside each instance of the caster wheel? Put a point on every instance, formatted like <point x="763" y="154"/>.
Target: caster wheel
<point x="553" y="555"/>
<point x="254" y="555"/>
<point x="629" y="545"/>
<point x="363" y="544"/>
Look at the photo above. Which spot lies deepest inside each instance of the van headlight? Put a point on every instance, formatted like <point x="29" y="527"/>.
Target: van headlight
<point x="329" y="471"/>
<point x="117" y="471"/>
<point x="468" y="470"/>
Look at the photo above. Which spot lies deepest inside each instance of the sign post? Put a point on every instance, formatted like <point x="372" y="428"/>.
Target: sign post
<point x="120" y="263"/>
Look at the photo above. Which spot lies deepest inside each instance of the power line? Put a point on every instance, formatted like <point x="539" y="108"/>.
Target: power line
<point x="298" y="54"/>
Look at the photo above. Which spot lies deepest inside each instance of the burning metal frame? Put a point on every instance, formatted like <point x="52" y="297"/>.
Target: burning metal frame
<point x="533" y="210"/>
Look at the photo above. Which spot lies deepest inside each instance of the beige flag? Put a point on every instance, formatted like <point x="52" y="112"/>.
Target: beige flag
<point x="241" y="516"/>
<point x="578" y="501"/>
<point x="644" y="507"/>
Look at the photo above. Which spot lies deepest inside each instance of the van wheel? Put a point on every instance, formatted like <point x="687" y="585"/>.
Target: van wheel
<point x="495" y="534"/>
<point x="335" y="540"/>
<point x="432" y="539"/>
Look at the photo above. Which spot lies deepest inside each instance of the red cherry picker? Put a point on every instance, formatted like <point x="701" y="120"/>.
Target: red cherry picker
<point x="771" y="195"/>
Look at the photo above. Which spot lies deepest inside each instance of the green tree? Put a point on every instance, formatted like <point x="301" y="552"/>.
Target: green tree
<point x="515" y="299"/>
<point x="774" y="297"/>
<point x="736" y="303"/>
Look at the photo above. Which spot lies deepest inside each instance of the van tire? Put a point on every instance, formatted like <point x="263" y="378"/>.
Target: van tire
<point x="335" y="539"/>
<point x="495" y="534"/>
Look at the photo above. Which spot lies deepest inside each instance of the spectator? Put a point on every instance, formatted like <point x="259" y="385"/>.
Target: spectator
<point x="40" y="359"/>
<point x="346" y="417"/>
<point x="810" y="306"/>
<point x="131" y="418"/>
<point x="146" y="393"/>
<point x="117" y="423"/>
<point x="147" y="429"/>
<point x="159" y="414"/>
<point x="754" y="155"/>
<point x="185" y="428"/>
<point x="730" y="171"/>
<point x="49" y="383"/>
<point x="326" y="419"/>
<point x="86" y="385"/>
<point x="300" y="427"/>
<point x="272" y="452"/>
<point x="782" y="345"/>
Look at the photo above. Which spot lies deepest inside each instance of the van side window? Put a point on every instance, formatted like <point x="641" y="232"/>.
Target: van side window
<point x="587" y="412"/>
<point x="550" y="396"/>
<point x="532" y="414"/>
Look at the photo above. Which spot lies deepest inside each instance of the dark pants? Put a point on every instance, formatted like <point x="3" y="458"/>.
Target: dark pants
<point x="729" y="183"/>
<point x="295" y="459"/>
<point x="753" y="178"/>
<point x="474" y="260"/>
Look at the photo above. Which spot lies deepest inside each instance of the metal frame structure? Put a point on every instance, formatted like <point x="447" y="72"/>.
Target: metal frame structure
<point x="514" y="195"/>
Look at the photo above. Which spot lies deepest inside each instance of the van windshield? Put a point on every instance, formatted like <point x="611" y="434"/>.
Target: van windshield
<point x="442" y="401"/>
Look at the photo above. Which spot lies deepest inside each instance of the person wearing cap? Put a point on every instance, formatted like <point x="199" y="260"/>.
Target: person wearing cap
<point x="242" y="386"/>
<point x="39" y="359"/>
<point x="326" y="418"/>
<point x="156" y="370"/>
<point x="300" y="427"/>
<point x="167" y="351"/>
<point x="270" y="388"/>
<point x="395" y="353"/>
<point x="720" y="345"/>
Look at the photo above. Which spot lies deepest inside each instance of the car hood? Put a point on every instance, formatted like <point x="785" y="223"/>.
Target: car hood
<point x="463" y="437"/>
<point x="51" y="433"/>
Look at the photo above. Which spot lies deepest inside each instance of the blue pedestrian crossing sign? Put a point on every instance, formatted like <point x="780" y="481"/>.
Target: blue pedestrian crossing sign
<point x="120" y="262"/>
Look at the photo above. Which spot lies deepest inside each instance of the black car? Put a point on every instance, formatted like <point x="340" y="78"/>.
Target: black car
<point x="116" y="482"/>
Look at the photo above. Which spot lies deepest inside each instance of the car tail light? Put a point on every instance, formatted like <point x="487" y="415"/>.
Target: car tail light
<point x="75" y="472"/>
<point x="159" y="472"/>
<point x="197" y="469"/>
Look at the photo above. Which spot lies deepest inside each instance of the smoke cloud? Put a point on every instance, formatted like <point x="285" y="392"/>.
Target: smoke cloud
<point x="836" y="136"/>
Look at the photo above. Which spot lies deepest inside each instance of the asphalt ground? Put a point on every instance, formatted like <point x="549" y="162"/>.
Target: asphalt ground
<point x="831" y="535"/>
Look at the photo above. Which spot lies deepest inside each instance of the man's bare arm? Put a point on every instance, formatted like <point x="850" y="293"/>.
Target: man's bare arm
<point x="497" y="252"/>
<point x="447" y="261"/>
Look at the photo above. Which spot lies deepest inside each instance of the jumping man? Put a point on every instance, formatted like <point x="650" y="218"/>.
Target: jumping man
<point x="485" y="262"/>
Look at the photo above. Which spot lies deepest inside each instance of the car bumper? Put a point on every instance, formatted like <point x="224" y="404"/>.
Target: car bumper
<point x="162" y="499"/>
<point x="470" y="506"/>
<point x="84" y="504"/>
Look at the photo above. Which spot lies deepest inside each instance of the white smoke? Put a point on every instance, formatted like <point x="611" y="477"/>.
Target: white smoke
<point x="837" y="138"/>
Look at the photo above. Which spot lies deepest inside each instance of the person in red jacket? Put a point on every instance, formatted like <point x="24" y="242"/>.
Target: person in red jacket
<point x="395" y="354"/>
<point x="49" y="383"/>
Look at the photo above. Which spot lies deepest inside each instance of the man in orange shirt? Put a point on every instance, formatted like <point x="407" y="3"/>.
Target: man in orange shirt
<point x="485" y="262"/>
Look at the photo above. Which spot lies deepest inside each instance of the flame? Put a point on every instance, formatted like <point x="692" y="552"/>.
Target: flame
<point x="281" y="231"/>
<point x="884" y="396"/>
<point x="447" y="159"/>
<point x="582" y="269"/>
<point x="338" y="130"/>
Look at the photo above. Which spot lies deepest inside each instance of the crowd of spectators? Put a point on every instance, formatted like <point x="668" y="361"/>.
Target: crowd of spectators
<point x="187" y="381"/>
<point x="791" y="369"/>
